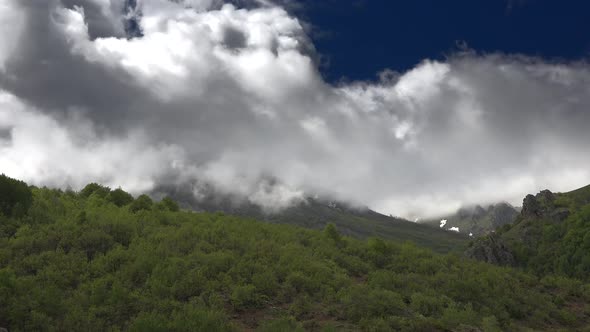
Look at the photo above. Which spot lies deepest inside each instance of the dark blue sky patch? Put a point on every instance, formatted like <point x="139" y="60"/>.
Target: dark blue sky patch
<point x="132" y="27"/>
<point x="360" y="38"/>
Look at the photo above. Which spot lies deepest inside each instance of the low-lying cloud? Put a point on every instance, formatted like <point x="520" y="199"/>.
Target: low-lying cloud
<point x="232" y="97"/>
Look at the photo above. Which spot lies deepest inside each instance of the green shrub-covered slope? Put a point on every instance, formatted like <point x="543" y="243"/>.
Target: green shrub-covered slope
<point x="315" y="213"/>
<point x="101" y="260"/>
<point x="552" y="234"/>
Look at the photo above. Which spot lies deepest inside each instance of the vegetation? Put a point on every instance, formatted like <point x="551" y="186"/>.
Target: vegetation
<point x="361" y="223"/>
<point x="555" y="237"/>
<point x="15" y="197"/>
<point x="87" y="261"/>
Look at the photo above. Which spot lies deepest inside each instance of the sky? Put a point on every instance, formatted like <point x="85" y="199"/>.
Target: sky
<point x="360" y="38"/>
<point x="414" y="110"/>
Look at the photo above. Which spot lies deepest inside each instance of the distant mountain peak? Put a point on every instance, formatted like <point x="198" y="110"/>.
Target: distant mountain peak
<point x="477" y="219"/>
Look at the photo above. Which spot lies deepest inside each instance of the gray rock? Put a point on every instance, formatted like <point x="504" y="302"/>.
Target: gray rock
<point x="478" y="212"/>
<point x="491" y="249"/>
<point x="502" y="214"/>
<point x="541" y="205"/>
<point x="530" y="207"/>
<point x="546" y="197"/>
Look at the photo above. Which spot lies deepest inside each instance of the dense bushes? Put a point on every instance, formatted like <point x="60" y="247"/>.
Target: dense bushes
<point x="544" y="245"/>
<point x="84" y="261"/>
<point x="15" y="197"/>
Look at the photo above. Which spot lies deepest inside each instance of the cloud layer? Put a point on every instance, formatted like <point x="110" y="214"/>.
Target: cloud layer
<point x="231" y="96"/>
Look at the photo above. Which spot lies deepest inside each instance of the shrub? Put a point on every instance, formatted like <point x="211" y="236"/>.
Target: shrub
<point x="143" y="202"/>
<point x="15" y="197"/>
<point x="169" y="204"/>
<point x="243" y="297"/>
<point x="119" y="197"/>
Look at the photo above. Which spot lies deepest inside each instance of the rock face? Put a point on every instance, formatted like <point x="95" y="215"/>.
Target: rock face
<point x="492" y="250"/>
<point x="535" y="208"/>
<point x="530" y="207"/>
<point x="480" y="220"/>
<point x="543" y="206"/>
<point x="502" y="214"/>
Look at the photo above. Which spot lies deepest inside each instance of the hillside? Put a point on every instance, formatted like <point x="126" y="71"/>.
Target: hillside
<point x="313" y="213"/>
<point x="102" y="260"/>
<point x="477" y="220"/>
<point x="551" y="235"/>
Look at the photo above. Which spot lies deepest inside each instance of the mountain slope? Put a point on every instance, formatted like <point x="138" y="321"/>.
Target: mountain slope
<point x="91" y="261"/>
<point x="551" y="234"/>
<point x="363" y="223"/>
<point x="477" y="220"/>
<point x="359" y="222"/>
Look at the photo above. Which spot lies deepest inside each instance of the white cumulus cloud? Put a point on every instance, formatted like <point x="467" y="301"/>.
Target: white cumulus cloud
<point x="233" y="97"/>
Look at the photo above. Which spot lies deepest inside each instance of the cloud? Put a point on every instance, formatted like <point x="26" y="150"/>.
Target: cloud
<point x="69" y="152"/>
<point x="232" y="97"/>
<point x="11" y="24"/>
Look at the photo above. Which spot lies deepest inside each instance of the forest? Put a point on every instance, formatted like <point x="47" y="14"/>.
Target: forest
<point x="102" y="260"/>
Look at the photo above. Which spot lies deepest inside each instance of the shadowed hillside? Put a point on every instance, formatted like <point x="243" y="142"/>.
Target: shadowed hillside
<point x="102" y="260"/>
<point x="359" y="222"/>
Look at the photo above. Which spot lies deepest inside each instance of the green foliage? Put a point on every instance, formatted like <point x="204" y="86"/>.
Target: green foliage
<point x="331" y="233"/>
<point x="190" y="318"/>
<point x="544" y="245"/>
<point x="86" y="263"/>
<point x="491" y="324"/>
<point x="119" y="197"/>
<point x="281" y="324"/>
<point x="95" y="188"/>
<point x="143" y="202"/>
<point x="169" y="204"/>
<point x="364" y="224"/>
<point x="15" y="197"/>
<point x="244" y="297"/>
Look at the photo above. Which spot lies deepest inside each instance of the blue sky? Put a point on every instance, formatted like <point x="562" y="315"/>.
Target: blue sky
<point x="360" y="38"/>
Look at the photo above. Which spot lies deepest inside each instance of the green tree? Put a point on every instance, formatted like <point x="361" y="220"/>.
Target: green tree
<point x="143" y="202"/>
<point x="94" y="188"/>
<point x="119" y="197"/>
<point x="331" y="232"/>
<point x="169" y="204"/>
<point x="15" y="197"/>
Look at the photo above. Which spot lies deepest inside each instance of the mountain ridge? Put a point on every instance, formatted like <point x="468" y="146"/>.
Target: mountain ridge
<point x="315" y="213"/>
<point x="476" y="220"/>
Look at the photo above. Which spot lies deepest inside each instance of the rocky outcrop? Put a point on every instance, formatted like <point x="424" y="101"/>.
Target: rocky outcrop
<point x="530" y="207"/>
<point x="491" y="249"/>
<point x="542" y="206"/>
<point x="479" y="220"/>
<point x="502" y="214"/>
<point x="478" y="212"/>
